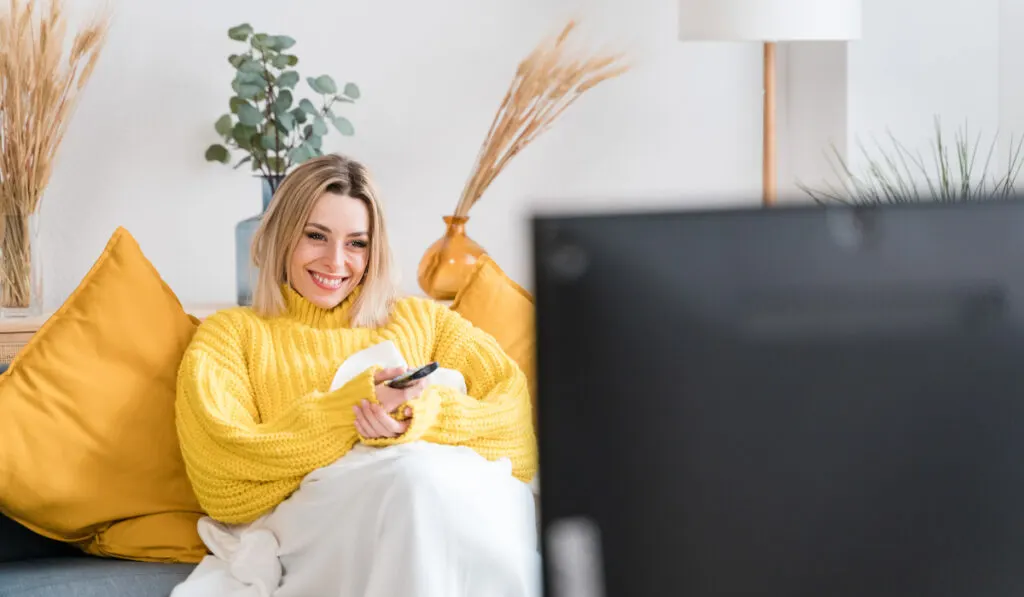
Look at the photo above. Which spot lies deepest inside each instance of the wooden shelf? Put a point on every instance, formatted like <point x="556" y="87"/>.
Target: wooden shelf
<point x="15" y="332"/>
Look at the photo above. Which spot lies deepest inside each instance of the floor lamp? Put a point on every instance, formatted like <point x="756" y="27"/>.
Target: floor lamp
<point x="769" y="22"/>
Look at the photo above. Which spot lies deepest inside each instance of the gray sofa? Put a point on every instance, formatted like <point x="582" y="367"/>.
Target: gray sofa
<point x="34" y="566"/>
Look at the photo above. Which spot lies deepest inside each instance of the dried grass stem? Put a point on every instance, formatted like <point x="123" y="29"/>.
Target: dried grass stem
<point x="549" y="80"/>
<point x="40" y="85"/>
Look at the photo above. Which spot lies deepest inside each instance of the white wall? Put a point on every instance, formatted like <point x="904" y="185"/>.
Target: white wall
<point x="921" y="60"/>
<point x="959" y="61"/>
<point x="1011" y="72"/>
<point x="682" y="128"/>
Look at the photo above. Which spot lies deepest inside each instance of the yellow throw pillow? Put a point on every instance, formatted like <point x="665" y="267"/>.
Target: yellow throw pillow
<point x="88" y="448"/>
<point x="493" y="302"/>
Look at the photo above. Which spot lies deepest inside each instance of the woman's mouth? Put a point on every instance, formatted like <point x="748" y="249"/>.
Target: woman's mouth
<point x="327" y="282"/>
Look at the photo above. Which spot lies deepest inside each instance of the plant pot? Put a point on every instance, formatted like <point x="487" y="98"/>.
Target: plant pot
<point x="245" y="270"/>
<point x="21" y="272"/>
<point x="448" y="262"/>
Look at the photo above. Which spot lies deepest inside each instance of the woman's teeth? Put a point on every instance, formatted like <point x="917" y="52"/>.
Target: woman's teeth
<point x="327" y="282"/>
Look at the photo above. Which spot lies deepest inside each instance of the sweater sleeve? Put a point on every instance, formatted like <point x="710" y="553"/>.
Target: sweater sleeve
<point x="494" y="417"/>
<point x="241" y="466"/>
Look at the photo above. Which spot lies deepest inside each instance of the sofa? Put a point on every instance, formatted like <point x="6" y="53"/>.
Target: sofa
<point x="33" y="566"/>
<point x="138" y="524"/>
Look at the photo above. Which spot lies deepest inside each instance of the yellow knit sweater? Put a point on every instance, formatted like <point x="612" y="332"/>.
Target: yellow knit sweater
<point x="255" y="414"/>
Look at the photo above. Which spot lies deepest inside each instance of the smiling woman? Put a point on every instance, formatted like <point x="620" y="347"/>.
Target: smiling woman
<point x="327" y="263"/>
<point x="329" y="212"/>
<point x="292" y="389"/>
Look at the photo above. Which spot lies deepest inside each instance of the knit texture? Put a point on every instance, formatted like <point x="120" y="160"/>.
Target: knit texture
<point x="255" y="414"/>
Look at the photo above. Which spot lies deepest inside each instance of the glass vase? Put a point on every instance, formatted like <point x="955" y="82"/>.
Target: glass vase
<point x="448" y="262"/>
<point x="245" y="270"/>
<point x="21" y="266"/>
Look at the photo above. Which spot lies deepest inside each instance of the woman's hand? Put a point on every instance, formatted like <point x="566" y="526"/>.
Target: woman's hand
<point x="392" y="398"/>
<point x="374" y="420"/>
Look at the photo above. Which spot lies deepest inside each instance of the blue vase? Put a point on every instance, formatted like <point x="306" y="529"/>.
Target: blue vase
<point x="245" y="270"/>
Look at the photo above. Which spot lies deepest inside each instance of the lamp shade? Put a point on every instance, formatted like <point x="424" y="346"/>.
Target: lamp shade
<point x="769" y="20"/>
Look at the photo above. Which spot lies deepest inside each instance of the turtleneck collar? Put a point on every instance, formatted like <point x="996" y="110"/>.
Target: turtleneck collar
<point x="300" y="309"/>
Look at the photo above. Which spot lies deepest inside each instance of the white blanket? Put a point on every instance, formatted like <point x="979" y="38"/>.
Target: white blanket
<point x="417" y="519"/>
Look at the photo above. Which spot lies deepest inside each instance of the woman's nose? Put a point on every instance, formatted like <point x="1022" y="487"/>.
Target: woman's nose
<point x="337" y="255"/>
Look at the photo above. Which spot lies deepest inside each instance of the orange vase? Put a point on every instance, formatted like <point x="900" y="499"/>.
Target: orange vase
<point x="448" y="262"/>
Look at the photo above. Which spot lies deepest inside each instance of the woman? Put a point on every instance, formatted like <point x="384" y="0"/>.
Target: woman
<point x="365" y="489"/>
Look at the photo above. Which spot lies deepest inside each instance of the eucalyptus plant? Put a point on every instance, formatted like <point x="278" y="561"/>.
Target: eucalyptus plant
<point x="267" y="122"/>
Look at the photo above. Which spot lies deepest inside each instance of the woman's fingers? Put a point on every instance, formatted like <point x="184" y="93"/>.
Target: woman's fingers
<point x="372" y="422"/>
<point x="376" y="427"/>
<point x="392" y="428"/>
<point x="362" y="425"/>
<point x="388" y="374"/>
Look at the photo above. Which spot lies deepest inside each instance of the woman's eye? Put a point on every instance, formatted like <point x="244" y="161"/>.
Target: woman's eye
<point x="315" y="236"/>
<point x="360" y="244"/>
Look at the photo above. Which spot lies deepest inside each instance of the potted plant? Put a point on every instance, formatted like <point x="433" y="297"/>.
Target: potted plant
<point x="961" y="171"/>
<point x="45" y="65"/>
<point x="270" y="127"/>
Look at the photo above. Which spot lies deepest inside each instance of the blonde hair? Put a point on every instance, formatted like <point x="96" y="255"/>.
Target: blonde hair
<point x="283" y="225"/>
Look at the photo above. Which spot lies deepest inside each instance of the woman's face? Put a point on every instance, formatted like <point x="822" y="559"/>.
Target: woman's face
<point x="330" y="259"/>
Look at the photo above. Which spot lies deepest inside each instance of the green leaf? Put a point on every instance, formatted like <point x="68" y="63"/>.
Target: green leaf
<point x="307" y="131"/>
<point x="343" y="99"/>
<point x="223" y="125"/>
<point x="352" y="90"/>
<point x="242" y="161"/>
<point x="276" y="164"/>
<point x="308" y="107"/>
<point x="260" y="41"/>
<point x="292" y="60"/>
<point x="288" y="79"/>
<point x="249" y="115"/>
<point x="326" y="84"/>
<point x="299" y="115"/>
<point x="246" y="91"/>
<point x="268" y="141"/>
<point x="217" y="153"/>
<point x="243" y="134"/>
<point x="283" y="42"/>
<point x="246" y="78"/>
<point x="286" y="121"/>
<point x="319" y="126"/>
<point x="301" y="153"/>
<point x="236" y="60"/>
<point x="315" y="141"/>
<point x="235" y="102"/>
<point x="279" y="61"/>
<point x="240" y="32"/>
<point x="284" y="101"/>
<point x="313" y="84"/>
<point x="344" y="126"/>
<point x="251" y="66"/>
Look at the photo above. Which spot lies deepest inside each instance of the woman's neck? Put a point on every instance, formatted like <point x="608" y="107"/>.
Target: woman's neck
<point x="302" y="310"/>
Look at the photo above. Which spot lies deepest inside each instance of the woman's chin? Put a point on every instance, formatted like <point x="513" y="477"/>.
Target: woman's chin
<point x="328" y="299"/>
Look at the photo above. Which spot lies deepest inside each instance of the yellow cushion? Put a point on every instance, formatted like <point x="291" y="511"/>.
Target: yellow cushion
<point x="88" y="448"/>
<point x="493" y="302"/>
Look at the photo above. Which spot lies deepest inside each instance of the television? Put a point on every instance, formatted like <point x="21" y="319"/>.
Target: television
<point x="812" y="401"/>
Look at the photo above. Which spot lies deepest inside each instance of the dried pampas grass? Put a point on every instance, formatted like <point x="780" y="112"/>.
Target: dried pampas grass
<point x="41" y="80"/>
<point x="548" y="81"/>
